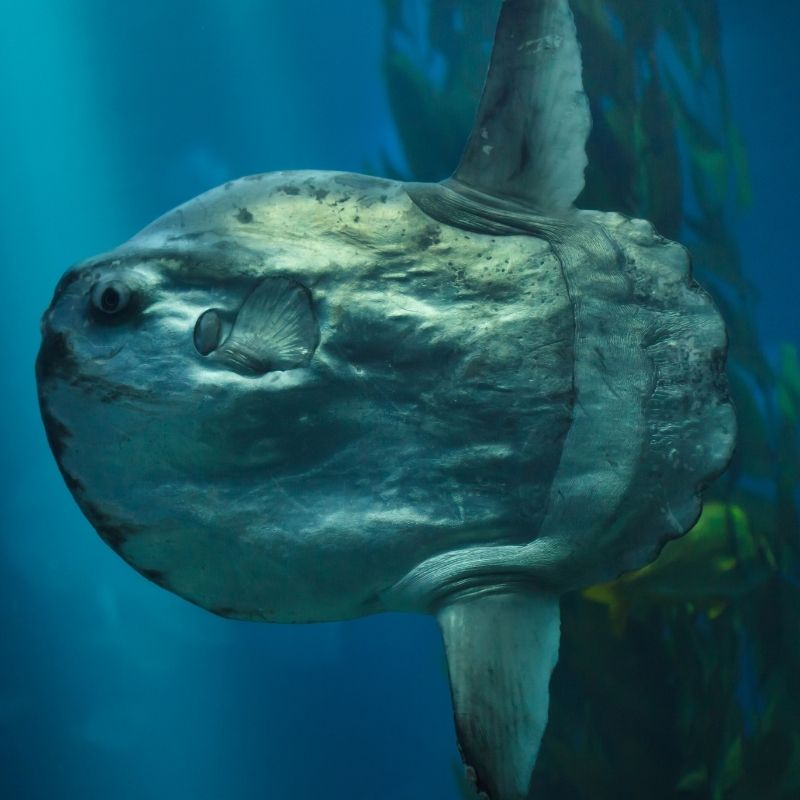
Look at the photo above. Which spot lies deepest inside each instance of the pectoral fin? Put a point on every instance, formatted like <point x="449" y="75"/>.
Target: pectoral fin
<point x="501" y="650"/>
<point x="275" y="329"/>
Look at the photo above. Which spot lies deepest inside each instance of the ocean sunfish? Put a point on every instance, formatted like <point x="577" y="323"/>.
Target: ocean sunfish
<point x="309" y="396"/>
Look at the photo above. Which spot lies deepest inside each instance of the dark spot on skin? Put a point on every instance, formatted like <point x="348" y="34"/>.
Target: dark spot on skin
<point x="719" y="357"/>
<point x="356" y="218"/>
<point x="228" y="186"/>
<point x="321" y="194"/>
<point x="57" y="435"/>
<point x="289" y="189"/>
<point x="384" y="198"/>
<point x="253" y="177"/>
<point x="55" y="357"/>
<point x="110" y="529"/>
<point x="239" y="615"/>
<point x="114" y="536"/>
<point x="111" y="396"/>
<point x="72" y="483"/>
<point x="227" y="613"/>
<point x="156" y="576"/>
<point x="186" y="237"/>
<point x="226" y="246"/>
<point x="244" y="216"/>
<point x="428" y="238"/>
<point x="112" y="532"/>
<point x="57" y="432"/>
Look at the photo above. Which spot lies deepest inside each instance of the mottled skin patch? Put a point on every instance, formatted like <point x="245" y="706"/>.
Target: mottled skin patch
<point x="57" y="434"/>
<point x="113" y="532"/>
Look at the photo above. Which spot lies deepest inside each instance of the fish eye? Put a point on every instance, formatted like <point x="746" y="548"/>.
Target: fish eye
<point x="110" y="297"/>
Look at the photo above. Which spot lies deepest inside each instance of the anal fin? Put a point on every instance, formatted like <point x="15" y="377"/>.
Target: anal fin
<point x="501" y="650"/>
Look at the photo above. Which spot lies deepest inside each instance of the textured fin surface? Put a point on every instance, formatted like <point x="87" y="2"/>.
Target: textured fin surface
<point x="533" y="120"/>
<point x="275" y="329"/>
<point x="501" y="650"/>
<point x="458" y="205"/>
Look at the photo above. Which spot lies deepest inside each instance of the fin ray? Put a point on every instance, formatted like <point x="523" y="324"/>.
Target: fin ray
<point x="275" y="329"/>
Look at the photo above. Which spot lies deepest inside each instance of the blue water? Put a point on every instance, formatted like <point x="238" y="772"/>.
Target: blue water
<point x="111" y="114"/>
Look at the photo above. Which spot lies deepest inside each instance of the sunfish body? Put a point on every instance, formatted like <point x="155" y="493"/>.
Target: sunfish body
<point x="309" y="396"/>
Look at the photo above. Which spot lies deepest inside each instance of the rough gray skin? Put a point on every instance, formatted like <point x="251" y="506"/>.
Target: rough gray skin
<point x="433" y="443"/>
<point x="312" y="396"/>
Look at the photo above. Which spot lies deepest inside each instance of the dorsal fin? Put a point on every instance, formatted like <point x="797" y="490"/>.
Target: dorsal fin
<point x="529" y="139"/>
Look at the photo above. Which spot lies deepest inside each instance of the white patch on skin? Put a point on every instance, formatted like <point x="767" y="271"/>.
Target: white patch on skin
<point x="552" y="42"/>
<point x="205" y="374"/>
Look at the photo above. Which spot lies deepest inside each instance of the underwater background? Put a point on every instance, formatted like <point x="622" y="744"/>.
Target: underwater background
<point x="682" y="681"/>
